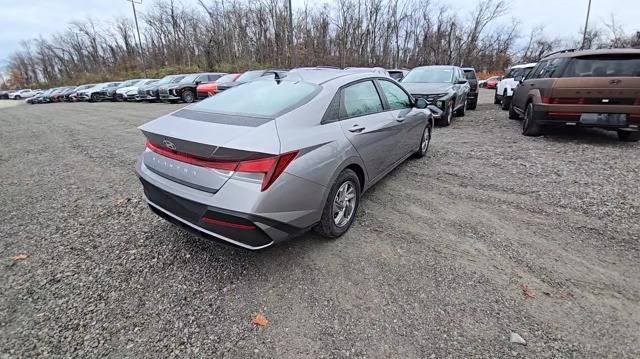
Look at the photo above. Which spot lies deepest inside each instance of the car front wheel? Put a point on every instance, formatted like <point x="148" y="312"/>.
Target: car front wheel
<point x="340" y="209"/>
<point x="425" y="141"/>
<point x="187" y="96"/>
<point x="628" y="136"/>
<point x="447" y="115"/>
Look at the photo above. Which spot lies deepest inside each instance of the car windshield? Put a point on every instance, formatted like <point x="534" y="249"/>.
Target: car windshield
<point x="519" y="72"/>
<point x="225" y="78"/>
<point x="604" y="66"/>
<point x="259" y="98"/>
<point x="99" y="86"/>
<point x="166" y="79"/>
<point x="469" y="74"/>
<point x="189" y="79"/>
<point x="250" y="75"/>
<point x="177" y="79"/>
<point x="430" y="75"/>
<point x="129" y="83"/>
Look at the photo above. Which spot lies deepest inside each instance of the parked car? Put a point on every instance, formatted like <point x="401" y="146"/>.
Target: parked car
<point x="444" y="87"/>
<point x="273" y="158"/>
<point x="130" y="91"/>
<point x="59" y="95"/>
<point x="22" y="94"/>
<point x="592" y="88"/>
<point x="40" y="96"/>
<point x="490" y="83"/>
<point x="107" y="92"/>
<point x="375" y="70"/>
<point x="207" y="89"/>
<point x="250" y="76"/>
<point x="4" y="95"/>
<point x="95" y="93"/>
<point x="504" y="89"/>
<point x="472" y="97"/>
<point x="185" y="89"/>
<point x="398" y="74"/>
<point x="73" y="95"/>
<point x="150" y="93"/>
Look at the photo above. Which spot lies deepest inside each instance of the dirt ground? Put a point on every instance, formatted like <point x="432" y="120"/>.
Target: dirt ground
<point x="491" y="233"/>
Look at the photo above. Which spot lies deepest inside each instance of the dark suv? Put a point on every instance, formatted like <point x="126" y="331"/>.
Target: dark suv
<point x="593" y="88"/>
<point x="185" y="89"/>
<point x="444" y="87"/>
<point x="151" y="93"/>
<point x="472" y="97"/>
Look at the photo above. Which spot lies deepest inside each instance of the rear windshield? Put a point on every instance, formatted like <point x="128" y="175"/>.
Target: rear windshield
<point x="259" y="98"/>
<point x="226" y="78"/>
<point x="470" y="74"/>
<point x="524" y="72"/>
<point x="250" y="75"/>
<point x="604" y="66"/>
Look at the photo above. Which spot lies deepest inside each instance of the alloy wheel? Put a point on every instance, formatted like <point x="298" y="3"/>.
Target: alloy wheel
<point x="426" y="139"/>
<point x="344" y="204"/>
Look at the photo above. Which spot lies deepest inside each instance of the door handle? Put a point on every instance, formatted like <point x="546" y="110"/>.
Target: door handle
<point x="400" y="118"/>
<point x="356" y="129"/>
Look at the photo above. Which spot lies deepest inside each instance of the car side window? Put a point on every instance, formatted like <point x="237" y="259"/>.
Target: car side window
<point x="535" y="72"/>
<point x="360" y="99"/>
<point x="551" y="68"/>
<point x="396" y="97"/>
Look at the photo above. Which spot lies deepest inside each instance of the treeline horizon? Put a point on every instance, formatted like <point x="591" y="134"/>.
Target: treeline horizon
<point x="236" y="35"/>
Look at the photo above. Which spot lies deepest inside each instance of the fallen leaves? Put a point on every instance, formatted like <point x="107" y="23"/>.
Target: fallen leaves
<point x="19" y="257"/>
<point x="260" y="320"/>
<point x="527" y="292"/>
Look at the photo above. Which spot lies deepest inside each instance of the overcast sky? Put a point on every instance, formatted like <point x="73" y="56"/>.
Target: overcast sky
<point x="28" y="19"/>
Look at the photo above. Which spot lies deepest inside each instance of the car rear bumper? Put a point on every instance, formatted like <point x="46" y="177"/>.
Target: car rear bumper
<point x="232" y="226"/>
<point x="632" y="123"/>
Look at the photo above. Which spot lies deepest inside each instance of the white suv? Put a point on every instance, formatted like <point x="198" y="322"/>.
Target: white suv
<point x="505" y="87"/>
<point x="22" y="94"/>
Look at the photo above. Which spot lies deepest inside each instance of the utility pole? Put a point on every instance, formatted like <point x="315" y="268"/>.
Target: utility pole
<point x="292" y="53"/>
<point x="135" y="16"/>
<point x="586" y="26"/>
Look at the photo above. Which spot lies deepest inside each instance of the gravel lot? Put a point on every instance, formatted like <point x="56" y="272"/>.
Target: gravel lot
<point x="491" y="233"/>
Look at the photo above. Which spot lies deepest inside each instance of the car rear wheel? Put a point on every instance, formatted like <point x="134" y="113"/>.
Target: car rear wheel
<point x="425" y="141"/>
<point x="628" y="136"/>
<point x="505" y="101"/>
<point x="187" y="96"/>
<point x="529" y="126"/>
<point x="340" y="209"/>
<point x="496" y="100"/>
<point x="472" y="105"/>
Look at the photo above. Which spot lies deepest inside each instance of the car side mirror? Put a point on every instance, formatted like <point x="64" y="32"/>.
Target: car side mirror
<point x="421" y="103"/>
<point x="198" y="82"/>
<point x="461" y="82"/>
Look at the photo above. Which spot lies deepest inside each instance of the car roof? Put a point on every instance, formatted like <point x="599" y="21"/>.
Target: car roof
<point x="468" y="69"/>
<point x="322" y="76"/>
<point x="438" y="66"/>
<point x="580" y="53"/>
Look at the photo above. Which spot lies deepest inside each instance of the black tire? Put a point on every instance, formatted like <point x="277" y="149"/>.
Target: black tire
<point x="421" y="151"/>
<point x="628" y="136"/>
<point x="472" y="105"/>
<point x="496" y="100"/>
<point x="93" y="98"/>
<point x="447" y="115"/>
<point x="513" y="115"/>
<point x="529" y="126"/>
<point x="327" y="226"/>
<point x="18" y="97"/>
<point x="461" y="111"/>
<point x="505" y="101"/>
<point x="188" y="96"/>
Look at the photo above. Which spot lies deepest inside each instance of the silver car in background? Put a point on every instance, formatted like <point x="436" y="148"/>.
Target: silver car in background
<point x="270" y="159"/>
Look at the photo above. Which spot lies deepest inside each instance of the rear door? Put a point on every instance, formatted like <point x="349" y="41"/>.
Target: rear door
<point x="374" y="133"/>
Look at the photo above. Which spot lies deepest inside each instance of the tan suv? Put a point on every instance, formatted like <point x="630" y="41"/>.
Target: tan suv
<point x="593" y="88"/>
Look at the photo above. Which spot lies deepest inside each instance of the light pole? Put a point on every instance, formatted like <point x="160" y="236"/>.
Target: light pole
<point x="586" y="26"/>
<point x="135" y="16"/>
<point x="292" y="52"/>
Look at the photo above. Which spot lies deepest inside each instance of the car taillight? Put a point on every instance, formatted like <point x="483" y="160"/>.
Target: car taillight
<point x="637" y="101"/>
<point x="271" y="167"/>
<point x="564" y="100"/>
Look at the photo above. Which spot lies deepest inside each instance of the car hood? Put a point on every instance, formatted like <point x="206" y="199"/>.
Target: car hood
<point x="426" y="88"/>
<point x="127" y="89"/>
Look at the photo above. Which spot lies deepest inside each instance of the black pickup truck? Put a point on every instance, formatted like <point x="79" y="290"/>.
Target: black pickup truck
<point x="472" y="96"/>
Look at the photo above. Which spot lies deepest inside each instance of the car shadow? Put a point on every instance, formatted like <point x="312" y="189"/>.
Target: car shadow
<point x="582" y="135"/>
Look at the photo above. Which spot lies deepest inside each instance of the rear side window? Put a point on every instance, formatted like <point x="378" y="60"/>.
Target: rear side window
<point x="604" y="66"/>
<point x="259" y="98"/>
<point x="360" y="99"/>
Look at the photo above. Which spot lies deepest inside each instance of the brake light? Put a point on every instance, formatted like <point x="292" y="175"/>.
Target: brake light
<point x="637" y="101"/>
<point x="271" y="167"/>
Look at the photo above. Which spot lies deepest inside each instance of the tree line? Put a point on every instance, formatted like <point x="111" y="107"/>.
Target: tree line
<point x="235" y="35"/>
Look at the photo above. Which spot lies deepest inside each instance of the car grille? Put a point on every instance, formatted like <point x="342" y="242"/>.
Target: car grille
<point x="164" y="91"/>
<point x="431" y="99"/>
